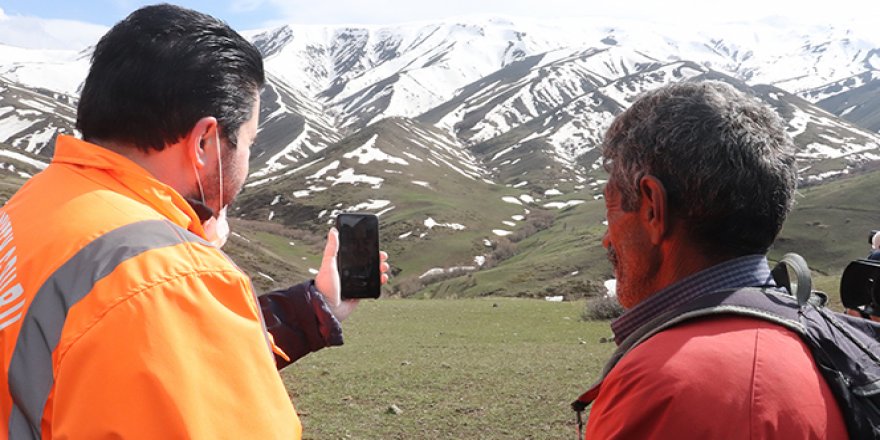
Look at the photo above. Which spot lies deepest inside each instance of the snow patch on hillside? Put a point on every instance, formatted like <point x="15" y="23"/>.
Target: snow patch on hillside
<point x="370" y="205"/>
<point x="430" y="223"/>
<point x="35" y="141"/>
<point x="22" y="158"/>
<point x="349" y="177"/>
<point x="369" y="152"/>
<point x="286" y="173"/>
<point x="563" y="205"/>
<point x="511" y="200"/>
<point x="275" y="162"/>
<point x="12" y="125"/>
<point x="332" y="166"/>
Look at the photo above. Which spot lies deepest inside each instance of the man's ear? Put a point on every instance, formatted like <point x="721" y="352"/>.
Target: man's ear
<point x="653" y="208"/>
<point x="197" y="139"/>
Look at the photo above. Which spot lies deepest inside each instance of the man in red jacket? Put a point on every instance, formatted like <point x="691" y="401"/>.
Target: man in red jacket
<point x="701" y="180"/>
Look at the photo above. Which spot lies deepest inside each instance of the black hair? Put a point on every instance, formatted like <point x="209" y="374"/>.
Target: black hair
<point x="160" y="70"/>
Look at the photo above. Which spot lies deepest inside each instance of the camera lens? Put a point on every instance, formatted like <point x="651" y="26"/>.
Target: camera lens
<point x="857" y="286"/>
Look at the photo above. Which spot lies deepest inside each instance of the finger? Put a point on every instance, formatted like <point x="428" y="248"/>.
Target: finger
<point x="383" y="255"/>
<point x="384" y="267"/>
<point x="332" y="247"/>
<point x="384" y="278"/>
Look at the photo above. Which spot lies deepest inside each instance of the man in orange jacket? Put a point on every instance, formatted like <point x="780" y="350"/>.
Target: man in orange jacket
<point x="701" y="180"/>
<point x="119" y="315"/>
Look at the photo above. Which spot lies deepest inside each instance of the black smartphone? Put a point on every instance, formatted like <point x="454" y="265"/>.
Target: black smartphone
<point x="358" y="257"/>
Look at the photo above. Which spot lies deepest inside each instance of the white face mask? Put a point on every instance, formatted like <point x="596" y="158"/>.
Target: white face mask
<point x="216" y="228"/>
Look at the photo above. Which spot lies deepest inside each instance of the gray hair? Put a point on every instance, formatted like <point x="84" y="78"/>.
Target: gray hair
<point x="724" y="159"/>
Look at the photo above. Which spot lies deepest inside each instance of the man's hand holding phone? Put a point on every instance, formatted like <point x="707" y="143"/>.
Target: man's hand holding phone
<point x="328" y="280"/>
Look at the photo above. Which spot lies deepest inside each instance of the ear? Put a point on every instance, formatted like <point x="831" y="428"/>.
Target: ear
<point x="203" y="132"/>
<point x="653" y="208"/>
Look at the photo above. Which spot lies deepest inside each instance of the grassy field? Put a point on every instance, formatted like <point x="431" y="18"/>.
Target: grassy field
<point x="487" y="368"/>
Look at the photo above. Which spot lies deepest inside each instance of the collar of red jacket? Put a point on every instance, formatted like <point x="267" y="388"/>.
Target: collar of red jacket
<point x="165" y="199"/>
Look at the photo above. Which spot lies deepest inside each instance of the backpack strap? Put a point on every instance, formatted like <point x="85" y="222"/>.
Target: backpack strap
<point x="792" y="263"/>
<point x="758" y="302"/>
<point x="763" y="303"/>
<point x="846" y="349"/>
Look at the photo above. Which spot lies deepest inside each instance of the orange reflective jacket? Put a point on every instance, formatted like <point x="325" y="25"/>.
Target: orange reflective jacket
<point x="117" y="319"/>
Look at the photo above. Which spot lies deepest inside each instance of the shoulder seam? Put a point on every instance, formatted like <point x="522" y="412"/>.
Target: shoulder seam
<point x="752" y="385"/>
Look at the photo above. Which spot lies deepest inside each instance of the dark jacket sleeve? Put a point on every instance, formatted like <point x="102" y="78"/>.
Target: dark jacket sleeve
<point x="299" y="321"/>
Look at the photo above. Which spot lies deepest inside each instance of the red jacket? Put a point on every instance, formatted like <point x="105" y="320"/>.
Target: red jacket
<point x="730" y="378"/>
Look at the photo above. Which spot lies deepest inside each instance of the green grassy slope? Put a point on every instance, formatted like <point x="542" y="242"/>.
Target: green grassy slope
<point x="565" y="259"/>
<point x="830" y="223"/>
<point x="449" y="198"/>
<point x="828" y="226"/>
<point x="466" y="369"/>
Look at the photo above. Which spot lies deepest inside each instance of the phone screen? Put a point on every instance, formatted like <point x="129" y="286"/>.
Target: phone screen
<point x="358" y="257"/>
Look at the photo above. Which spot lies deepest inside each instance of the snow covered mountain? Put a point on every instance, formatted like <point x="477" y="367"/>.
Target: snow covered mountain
<point x="29" y="121"/>
<point x="61" y="71"/>
<point x="479" y="130"/>
<point x="365" y="73"/>
<point x="488" y="81"/>
<point x="854" y="99"/>
<point x="292" y="128"/>
<point x="507" y="85"/>
<point x="528" y="99"/>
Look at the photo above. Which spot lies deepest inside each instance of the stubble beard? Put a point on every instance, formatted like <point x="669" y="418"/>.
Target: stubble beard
<point x="615" y="265"/>
<point x="211" y="187"/>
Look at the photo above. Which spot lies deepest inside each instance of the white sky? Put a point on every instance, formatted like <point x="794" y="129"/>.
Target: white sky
<point x="28" y="22"/>
<point x="670" y="11"/>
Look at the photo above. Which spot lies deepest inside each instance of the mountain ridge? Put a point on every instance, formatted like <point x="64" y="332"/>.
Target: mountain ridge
<point x="476" y="142"/>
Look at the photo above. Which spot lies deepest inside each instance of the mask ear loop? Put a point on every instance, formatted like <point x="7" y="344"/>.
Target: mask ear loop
<point x="199" y="182"/>
<point x="219" y="166"/>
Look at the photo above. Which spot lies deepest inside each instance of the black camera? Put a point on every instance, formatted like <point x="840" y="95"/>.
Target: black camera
<point x="860" y="286"/>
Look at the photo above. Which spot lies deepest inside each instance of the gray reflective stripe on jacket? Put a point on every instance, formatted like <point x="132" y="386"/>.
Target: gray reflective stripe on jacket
<point x="30" y="370"/>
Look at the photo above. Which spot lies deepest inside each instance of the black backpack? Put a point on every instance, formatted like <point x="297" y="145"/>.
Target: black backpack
<point x="846" y="349"/>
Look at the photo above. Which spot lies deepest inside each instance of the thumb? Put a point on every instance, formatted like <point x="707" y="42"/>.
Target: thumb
<point x="327" y="280"/>
<point x="332" y="246"/>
